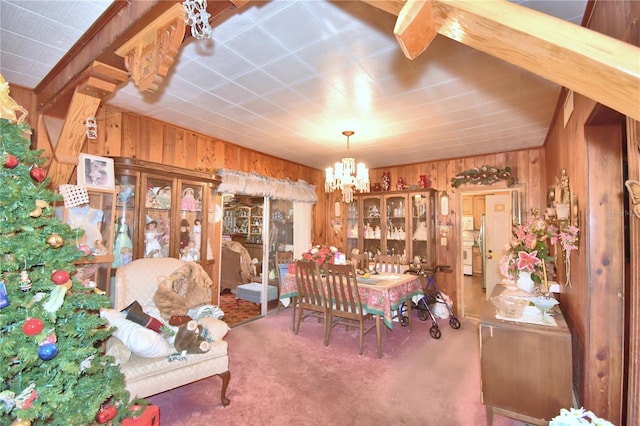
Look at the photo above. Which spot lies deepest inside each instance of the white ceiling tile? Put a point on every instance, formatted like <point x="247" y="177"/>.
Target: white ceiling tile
<point x="287" y="77"/>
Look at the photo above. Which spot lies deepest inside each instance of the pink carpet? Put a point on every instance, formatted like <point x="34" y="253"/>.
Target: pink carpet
<point x="278" y="378"/>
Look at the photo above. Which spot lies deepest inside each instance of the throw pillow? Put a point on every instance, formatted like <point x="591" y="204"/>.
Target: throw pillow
<point x="141" y="341"/>
<point x="118" y="350"/>
<point x="214" y="329"/>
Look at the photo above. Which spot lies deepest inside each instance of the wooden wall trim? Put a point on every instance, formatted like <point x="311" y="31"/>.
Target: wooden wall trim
<point x="633" y="353"/>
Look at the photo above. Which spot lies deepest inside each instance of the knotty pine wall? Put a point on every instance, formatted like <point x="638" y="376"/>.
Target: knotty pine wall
<point x="590" y="147"/>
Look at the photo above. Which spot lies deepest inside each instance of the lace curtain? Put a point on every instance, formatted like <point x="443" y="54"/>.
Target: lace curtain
<point x="236" y="182"/>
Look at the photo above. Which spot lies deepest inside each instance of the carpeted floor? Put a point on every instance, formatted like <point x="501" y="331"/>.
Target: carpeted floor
<point x="278" y="378"/>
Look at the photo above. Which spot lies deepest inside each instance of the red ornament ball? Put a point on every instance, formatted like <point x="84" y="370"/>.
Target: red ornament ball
<point x="60" y="277"/>
<point x="85" y="249"/>
<point x="32" y="326"/>
<point x="107" y="413"/>
<point x="38" y="174"/>
<point x="10" y="161"/>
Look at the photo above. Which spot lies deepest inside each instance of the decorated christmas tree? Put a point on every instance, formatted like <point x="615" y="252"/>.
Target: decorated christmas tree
<point x="52" y="370"/>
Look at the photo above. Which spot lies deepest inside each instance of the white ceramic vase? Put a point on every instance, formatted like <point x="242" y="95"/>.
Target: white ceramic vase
<point x="525" y="282"/>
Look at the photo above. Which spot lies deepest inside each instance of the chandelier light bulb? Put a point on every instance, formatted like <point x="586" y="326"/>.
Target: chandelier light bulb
<point x="346" y="176"/>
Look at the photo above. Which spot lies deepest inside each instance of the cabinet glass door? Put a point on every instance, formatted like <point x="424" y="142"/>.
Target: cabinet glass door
<point x="125" y="220"/>
<point x="423" y="228"/>
<point x="396" y="225"/>
<point x="352" y="240"/>
<point x="157" y="217"/>
<point x="190" y="229"/>
<point x="371" y="226"/>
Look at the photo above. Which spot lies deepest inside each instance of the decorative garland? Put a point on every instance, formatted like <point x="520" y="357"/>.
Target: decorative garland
<point x="484" y="175"/>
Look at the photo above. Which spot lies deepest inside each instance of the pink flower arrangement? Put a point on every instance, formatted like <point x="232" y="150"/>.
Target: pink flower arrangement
<point x="529" y="248"/>
<point x="320" y="254"/>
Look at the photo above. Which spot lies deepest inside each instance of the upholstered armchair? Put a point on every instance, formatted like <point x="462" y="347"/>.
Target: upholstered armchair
<point x="147" y="370"/>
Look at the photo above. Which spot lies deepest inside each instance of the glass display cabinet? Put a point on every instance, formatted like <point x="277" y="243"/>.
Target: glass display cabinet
<point x="395" y="229"/>
<point x="399" y="223"/>
<point x="93" y="221"/>
<point x="352" y="228"/>
<point x="371" y="225"/>
<point x="164" y="211"/>
<point x="423" y="227"/>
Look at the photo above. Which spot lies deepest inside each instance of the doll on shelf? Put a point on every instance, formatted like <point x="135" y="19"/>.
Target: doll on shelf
<point x="190" y="253"/>
<point x="152" y="246"/>
<point x="126" y="256"/>
<point x="122" y="241"/>
<point x="184" y="233"/>
<point x="163" y="198"/>
<point x="188" y="200"/>
<point x="196" y="233"/>
<point x="99" y="249"/>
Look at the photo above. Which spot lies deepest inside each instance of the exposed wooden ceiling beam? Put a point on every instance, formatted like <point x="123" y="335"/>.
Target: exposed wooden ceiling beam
<point x="415" y="28"/>
<point x="598" y="66"/>
<point x="120" y="17"/>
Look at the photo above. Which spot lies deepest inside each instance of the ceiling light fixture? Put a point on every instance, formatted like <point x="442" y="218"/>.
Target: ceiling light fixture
<point x="346" y="176"/>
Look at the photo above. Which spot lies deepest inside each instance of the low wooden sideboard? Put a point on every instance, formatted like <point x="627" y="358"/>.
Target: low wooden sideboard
<point x="526" y="368"/>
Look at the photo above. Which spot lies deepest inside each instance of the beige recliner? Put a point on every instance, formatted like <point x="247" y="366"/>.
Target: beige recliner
<point x="137" y="281"/>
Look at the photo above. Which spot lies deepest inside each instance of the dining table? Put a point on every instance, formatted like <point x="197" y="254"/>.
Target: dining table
<point x="381" y="295"/>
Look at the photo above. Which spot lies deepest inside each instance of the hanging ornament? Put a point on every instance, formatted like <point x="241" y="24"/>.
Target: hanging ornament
<point x="85" y="249"/>
<point x="25" y="282"/>
<point x="21" y="423"/>
<point x="106" y="413"/>
<point x="26" y="397"/>
<point x="37" y="212"/>
<point x="37" y="174"/>
<point x="60" y="277"/>
<point x="4" y="299"/>
<point x="55" y="241"/>
<point x="32" y="326"/>
<point x="92" y="127"/>
<point x="10" y="161"/>
<point x="48" y="351"/>
<point x="51" y="338"/>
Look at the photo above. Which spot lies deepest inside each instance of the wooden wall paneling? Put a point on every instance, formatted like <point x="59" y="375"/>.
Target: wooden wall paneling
<point x="130" y="135"/>
<point x="180" y="149"/>
<point x="204" y="153"/>
<point x="603" y="372"/>
<point x="43" y="142"/>
<point x="633" y="353"/>
<point x="169" y="144"/>
<point x="150" y="145"/>
<point x="27" y="100"/>
<point x="190" y="148"/>
<point x="112" y="130"/>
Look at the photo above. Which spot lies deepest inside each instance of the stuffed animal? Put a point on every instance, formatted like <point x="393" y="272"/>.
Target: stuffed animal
<point x="189" y="338"/>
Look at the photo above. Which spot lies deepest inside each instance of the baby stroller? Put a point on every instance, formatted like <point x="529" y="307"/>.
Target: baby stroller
<point x="433" y="295"/>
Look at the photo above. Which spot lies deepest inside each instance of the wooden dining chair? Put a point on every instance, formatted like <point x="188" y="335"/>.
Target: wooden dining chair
<point x="312" y="296"/>
<point x="360" y="261"/>
<point x="346" y="307"/>
<point x="388" y="263"/>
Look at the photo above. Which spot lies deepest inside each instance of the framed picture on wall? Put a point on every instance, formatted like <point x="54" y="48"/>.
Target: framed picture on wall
<point x="95" y="172"/>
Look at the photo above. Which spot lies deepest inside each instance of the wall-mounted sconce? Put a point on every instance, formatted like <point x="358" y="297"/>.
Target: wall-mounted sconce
<point x="444" y="225"/>
<point x="444" y="203"/>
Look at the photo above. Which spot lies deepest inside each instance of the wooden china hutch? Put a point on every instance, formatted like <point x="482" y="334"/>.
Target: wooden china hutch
<point x="395" y="222"/>
<point x="164" y="211"/>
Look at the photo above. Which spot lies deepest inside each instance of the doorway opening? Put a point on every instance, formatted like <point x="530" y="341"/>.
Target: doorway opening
<point x="482" y="241"/>
<point x="254" y="231"/>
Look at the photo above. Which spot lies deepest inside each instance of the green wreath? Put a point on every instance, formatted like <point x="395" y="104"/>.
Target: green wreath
<point x="484" y="175"/>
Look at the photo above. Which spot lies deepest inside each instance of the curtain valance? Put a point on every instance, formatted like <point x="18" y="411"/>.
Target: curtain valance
<point x="236" y="182"/>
